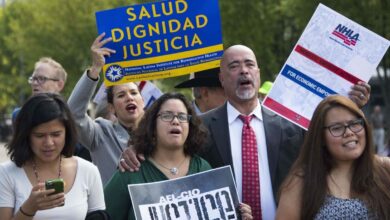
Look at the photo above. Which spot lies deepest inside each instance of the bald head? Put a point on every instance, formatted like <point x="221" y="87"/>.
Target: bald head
<point x="230" y="52"/>
<point x="240" y="74"/>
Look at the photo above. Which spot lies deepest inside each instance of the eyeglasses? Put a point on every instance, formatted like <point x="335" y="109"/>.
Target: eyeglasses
<point x="169" y="116"/>
<point x="338" y="129"/>
<point x="40" y="79"/>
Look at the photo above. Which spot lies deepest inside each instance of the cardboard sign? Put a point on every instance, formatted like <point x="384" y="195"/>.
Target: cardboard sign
<point x="332" y="54"/>
<point x="207" y="195"/>
<point x="161" y="39"/>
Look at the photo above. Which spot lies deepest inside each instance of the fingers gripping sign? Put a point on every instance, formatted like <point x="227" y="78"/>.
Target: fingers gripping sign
<point x="360" y="93"/>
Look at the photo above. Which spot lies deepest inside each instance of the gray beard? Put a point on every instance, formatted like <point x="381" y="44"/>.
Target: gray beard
<point x="246" y="94"/>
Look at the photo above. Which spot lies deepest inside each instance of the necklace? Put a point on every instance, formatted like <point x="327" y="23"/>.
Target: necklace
<point x="174" y="170"/>
<point x="36" y="171"/>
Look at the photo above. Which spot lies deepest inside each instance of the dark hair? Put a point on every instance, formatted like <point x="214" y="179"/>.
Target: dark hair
<point x="39" y="109"/>
<point x="315" y="162"/>
<point x="110" y="93"/>
<point x="145" y="135"/>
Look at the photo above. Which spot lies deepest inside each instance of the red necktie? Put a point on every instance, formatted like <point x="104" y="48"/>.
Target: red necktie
<point x="250" y="168"/>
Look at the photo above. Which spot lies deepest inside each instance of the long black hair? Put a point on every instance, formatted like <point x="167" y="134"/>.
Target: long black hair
<point x="39" y="109"/>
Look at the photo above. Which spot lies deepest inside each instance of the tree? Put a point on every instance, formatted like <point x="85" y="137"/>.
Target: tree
<point x="65" y="29"/>
<point x="9" y="71"/>
<point x="62" y="29"/>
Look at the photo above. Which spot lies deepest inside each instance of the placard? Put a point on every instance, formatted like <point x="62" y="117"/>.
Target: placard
<point x="161" y="39"/>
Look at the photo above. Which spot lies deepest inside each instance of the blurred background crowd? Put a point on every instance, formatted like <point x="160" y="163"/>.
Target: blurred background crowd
<point x="63" y="30"/>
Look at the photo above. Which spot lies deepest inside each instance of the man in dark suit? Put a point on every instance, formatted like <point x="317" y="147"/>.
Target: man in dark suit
<point x="282" y="140"/>
<point x="278" y="141"/>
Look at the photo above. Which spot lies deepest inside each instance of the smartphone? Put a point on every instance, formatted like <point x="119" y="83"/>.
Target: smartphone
<point x="56" y="184"/>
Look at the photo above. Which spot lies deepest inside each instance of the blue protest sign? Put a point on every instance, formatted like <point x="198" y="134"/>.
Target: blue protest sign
<point x="161" y="39"/>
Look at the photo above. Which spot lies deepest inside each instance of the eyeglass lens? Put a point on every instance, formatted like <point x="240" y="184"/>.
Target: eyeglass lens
<point x="169" y="116"/>
<point x="39" y="79"/>
<point x="339" y="129"/>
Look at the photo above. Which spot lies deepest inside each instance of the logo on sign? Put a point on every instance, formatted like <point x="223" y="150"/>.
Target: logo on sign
<point x="346" y="34"/>
<point x="114" y="73"/>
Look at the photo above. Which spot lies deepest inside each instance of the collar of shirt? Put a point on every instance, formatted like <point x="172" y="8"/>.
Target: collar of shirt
<point x="196" y="108"/>
<point x="233" y="113"/>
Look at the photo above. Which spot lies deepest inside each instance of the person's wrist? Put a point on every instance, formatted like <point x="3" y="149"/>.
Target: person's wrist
<point x="26" y="212"/>
<point x="91" y="73"/>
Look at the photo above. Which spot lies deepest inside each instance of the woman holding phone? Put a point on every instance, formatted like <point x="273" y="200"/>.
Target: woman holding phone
<point x="41" y="151"/>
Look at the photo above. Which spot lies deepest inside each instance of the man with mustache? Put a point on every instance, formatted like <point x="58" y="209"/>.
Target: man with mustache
<point x="278" y="141"/>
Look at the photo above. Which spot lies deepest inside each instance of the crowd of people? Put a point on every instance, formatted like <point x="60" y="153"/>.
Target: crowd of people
<point x="280" y="170"/>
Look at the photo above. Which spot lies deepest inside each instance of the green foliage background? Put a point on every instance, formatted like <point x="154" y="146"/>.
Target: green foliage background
<point x="65" y="29"/>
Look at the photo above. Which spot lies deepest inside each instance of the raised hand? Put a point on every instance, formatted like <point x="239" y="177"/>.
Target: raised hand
<point x="360" y="93"/>
<point x="97" y="53"/>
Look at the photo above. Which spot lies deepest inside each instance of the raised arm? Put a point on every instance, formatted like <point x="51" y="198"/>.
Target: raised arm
<point x="83" y="92"/>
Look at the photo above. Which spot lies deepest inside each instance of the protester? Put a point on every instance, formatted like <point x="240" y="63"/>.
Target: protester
<point x="170" y="136"/>
<point x="48" y="76"/>
<point x="337" y="175"/>
<point x="206" y="89"/>
<point x="377" y="122"/>
<point x="208" y="94"/>
<point x="103" y="138"/>
<point x="276" y="139"/>
<point x="240" y="78"/>
<point x="149" y="92"/>
<point x="41" y="149"/>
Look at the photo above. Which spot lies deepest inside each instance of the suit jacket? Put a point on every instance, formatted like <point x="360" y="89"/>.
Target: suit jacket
<point x="283" y="140"/>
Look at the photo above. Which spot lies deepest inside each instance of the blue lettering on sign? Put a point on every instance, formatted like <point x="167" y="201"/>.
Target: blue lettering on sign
<point x="347" y="35"/>
<point x="347" y="32"/>
<point x="307" y="82"/>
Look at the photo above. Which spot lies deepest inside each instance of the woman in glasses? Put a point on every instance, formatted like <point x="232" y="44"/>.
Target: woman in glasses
<point x="337" y="175"/>
<point x="169" y="135"/>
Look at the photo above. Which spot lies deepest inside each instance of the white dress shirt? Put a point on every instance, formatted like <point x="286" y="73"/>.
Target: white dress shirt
<point x="268" y="206"/>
